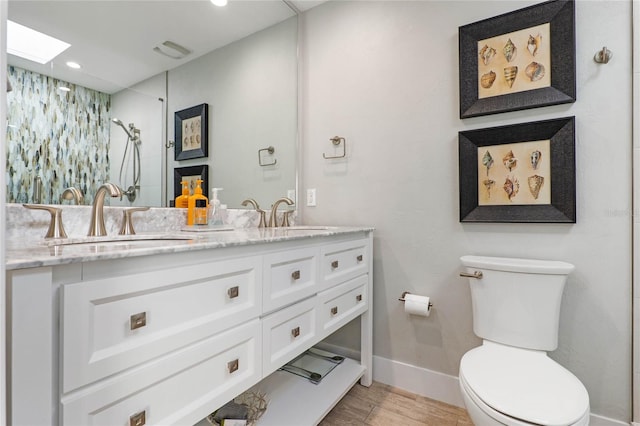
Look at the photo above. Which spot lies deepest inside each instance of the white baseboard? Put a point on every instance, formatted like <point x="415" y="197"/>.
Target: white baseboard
<point x="418" y="380"/>
<point x="596" y="420"/>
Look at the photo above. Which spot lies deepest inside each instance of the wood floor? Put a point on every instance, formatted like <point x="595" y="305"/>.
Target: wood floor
<point x="384" y="405"/>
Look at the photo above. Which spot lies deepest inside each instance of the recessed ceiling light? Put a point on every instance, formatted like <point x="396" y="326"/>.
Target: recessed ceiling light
<point x="31" y="44"/>
<point x="64" y="89"/>
<point x="74" y="65"/>
<point x="219" y="2"/>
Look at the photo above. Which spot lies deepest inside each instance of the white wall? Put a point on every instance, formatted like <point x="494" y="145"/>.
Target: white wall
<point x="384" y="75"/>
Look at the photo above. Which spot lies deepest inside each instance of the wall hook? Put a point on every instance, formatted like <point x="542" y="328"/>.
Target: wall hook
<point x="603" y="56"/>
<point x="270" y="150"/>
<point x="337" y="140"/>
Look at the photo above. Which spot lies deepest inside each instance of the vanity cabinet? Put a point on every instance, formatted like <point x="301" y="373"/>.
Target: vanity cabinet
<point x="169" y="338"/>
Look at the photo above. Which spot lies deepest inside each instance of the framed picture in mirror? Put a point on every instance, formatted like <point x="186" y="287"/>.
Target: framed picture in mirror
<point x="190" y="174"/>
<point x="522" y="173"/>
<point x="519" y="60"/>
<point x="191" y="132"/>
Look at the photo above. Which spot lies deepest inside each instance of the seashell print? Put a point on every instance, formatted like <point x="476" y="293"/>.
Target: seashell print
<point x="487" y="79"/>
<point x="534" y="71"/>
<point x="488" y="184"/>
<point x="534" y="43"/>
<point x="487" y="161"/>
<point x="536" y="157"/>
<point x="510" y="161"/>
<point x="511" y="187"/>
<point x="510" y="74"/>
<point x="510" y="51"/>
<point x="486" y="53"/>
<point x="535" y="184"/>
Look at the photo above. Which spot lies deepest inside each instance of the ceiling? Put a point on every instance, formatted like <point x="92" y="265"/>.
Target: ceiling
<point x="113" y="40"/>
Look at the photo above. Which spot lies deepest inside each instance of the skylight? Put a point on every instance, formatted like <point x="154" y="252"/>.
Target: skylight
<point x="31" y="44"/>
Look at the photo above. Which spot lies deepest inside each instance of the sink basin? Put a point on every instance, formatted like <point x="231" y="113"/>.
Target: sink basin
<point x="137" y="240"/>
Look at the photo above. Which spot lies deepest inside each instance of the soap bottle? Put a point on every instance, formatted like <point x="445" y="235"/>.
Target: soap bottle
<point x="197" y="195"/>
<point x="200" y="215"/>
<point x="216" y="207"/>
<point x="182" y="201"/>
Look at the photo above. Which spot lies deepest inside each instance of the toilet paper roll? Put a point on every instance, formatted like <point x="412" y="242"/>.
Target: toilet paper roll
<point x="417" y="305"/>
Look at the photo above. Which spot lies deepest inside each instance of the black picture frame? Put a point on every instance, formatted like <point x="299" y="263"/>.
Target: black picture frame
<point x="562" y="209"/>
<point x="191" y="132"/>
<point x="191" y="173"/>
<point x="560" y="14"/>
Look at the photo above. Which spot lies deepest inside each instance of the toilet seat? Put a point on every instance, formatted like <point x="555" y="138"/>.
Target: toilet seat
<point x="522" y="384"/>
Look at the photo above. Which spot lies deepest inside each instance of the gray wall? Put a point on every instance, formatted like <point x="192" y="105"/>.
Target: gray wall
<point x="385" y="76"/>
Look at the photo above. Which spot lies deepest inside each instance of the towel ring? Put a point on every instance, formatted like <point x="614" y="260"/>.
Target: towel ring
<point x="270" y="150"/>
<point x="337" y="140"/>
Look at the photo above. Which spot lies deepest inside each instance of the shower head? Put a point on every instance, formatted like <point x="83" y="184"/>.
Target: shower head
<point x="121" y="124"/>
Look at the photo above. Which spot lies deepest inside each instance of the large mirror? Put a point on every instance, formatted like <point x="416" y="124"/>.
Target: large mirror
<point x="145" y="66"/>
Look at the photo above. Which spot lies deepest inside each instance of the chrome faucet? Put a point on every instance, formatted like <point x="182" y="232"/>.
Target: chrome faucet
<point x="273" y="221"/>
<point x="262" y="213"/>
<point x="97" y="228"/>
<point x="73" y="193"/>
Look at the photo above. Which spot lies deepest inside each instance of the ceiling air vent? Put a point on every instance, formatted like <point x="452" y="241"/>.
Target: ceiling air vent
<point x="172" y="50"/>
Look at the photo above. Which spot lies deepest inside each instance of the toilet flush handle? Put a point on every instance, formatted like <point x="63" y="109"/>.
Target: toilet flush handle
<point x="476" y="274"/>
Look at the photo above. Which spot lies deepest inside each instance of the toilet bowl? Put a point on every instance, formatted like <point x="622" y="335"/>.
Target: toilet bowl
<point x="510" y="380"/>
<point x="503" y="385"/>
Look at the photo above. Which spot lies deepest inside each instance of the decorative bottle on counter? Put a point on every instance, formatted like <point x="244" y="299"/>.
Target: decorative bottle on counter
<point x="182" y="201"/>
<point x="200" y="215"/>
<point x="197" y="195"/>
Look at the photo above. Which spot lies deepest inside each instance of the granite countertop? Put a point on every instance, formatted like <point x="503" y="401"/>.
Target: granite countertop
<point x="21" y="254"/>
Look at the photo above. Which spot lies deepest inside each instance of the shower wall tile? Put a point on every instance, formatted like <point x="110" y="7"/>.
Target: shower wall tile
<point x="61" y="137"/>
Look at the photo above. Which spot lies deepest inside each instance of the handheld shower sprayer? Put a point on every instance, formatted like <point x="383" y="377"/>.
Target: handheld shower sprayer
<point x="133" y="135"/>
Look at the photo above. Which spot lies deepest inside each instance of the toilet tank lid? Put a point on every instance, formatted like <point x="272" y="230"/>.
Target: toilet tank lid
<point x="509" y="264"/>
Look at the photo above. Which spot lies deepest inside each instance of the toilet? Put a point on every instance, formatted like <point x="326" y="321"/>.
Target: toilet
<point x="510" y="380"/>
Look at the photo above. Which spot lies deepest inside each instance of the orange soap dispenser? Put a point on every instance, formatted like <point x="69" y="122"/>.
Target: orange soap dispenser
<point x="182" y="201"/>
<point x="197" y="195"/>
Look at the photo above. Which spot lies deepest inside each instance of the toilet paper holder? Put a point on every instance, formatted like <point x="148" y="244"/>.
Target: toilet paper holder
<point x="404" y="293"/>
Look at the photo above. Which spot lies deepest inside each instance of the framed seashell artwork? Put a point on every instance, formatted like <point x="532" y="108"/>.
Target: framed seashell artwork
<point x="518" y="173"/>
<point x="519" y="60"/>
<point x="191" y="132"/>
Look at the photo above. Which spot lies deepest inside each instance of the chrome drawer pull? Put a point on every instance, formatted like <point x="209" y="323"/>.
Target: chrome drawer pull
<point x="295" y="332"/>
<point x="232" y="365"/>
<point x="295" y="275"/>
<point x="359" y="258"/>
<point x="138" y="321"/>
<point x="334" y="310"/>
<point x="138" y="419"/>
<point x="334" y="264"/>
<point x="359" y="298"/>
<point x="233" y="292"/>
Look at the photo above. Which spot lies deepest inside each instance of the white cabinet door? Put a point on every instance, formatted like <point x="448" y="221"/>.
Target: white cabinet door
<point x="112" y="324"/>
<point x="178" y="389"/>
<point x="289" y="276"/>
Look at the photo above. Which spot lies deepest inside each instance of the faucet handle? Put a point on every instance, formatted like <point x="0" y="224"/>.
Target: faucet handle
<point x="73" y="193"/>
<point x="56" y="229"/>
<point x="127" y="222"/>
<point x="285" y="218"/>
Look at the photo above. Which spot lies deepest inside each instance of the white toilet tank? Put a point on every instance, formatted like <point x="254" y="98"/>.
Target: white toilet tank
<point x="517" y="301"/>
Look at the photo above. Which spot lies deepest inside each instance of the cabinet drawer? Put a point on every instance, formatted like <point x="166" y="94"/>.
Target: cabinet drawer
<point x="113" y="324"/>
<point x="343" y="261"/>
<point x="289" y="276"/>
<point x="287" y="333"/>
<point x="181" y="388"/>
<point x="341" y="304"/>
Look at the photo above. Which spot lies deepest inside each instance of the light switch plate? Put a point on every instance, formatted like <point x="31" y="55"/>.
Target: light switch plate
<point x="311" y="197"/>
